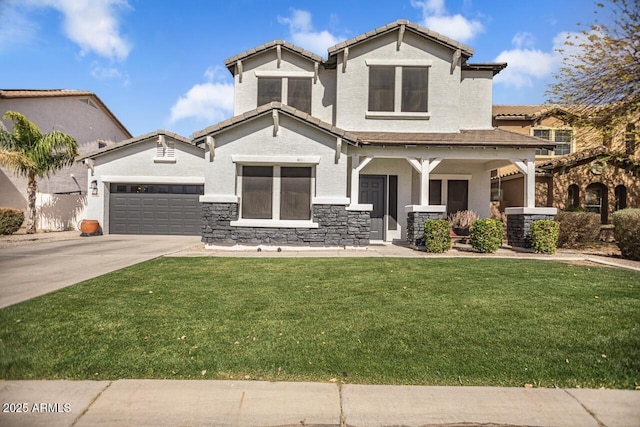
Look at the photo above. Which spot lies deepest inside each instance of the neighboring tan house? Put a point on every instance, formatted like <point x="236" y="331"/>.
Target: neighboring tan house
<point x="61" y="198"/>
<point x="579" y="171"/>
<point x="393" y="128"/>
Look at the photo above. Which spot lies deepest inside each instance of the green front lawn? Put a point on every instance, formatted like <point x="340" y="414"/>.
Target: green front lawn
<point x="356" y="320"/>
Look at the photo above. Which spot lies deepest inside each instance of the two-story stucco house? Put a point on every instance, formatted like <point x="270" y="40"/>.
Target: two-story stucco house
<point x="394" y="127"/>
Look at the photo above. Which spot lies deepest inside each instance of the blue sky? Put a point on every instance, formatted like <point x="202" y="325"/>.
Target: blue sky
<point x="159" y="64"/>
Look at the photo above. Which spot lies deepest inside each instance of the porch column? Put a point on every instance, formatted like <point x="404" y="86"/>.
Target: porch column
<point x="528" y="168"/>
<point x="424" y="183"/>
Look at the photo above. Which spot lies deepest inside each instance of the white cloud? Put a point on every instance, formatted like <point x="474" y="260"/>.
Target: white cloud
<point x="436" y="18"/>
<point x="302" y="33"/>
<point x="211" y="101"/>
<point x="526" y="64"/>
<point x="104" y="73"/>
<point x="91" y="24"/>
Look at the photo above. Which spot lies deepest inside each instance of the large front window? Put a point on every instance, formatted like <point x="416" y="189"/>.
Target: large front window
<point x="398" y="89"/>
<point x="276" y="192"/>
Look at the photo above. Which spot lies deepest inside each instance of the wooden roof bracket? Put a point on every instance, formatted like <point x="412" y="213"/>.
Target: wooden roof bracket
<point x="315" y="72"/>
<point x="89" y="163"/>
<point x="162" y="141"/>
<point x="279" y="55"/>
<point x="276" y="124"/>
<point x="345" y="57"/>
<point x="211" y="143"/>
<point x="338" y="148"/>
<point x="400" y="36"/>
<point x="457" y="55"/>
<point x="239" y="69"/>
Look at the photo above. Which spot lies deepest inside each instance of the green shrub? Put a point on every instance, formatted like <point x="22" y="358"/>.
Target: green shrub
<point x="437" y="235"/>
<point x="627" y="232"/>
<point x="544" y="236"/>
<point x="10" y="220"/>
<point x="577" y="227"/>
<point x="486" y="235"/>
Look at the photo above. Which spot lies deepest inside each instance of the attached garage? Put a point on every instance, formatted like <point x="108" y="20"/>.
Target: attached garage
<point x="155" y="209"/>
<point x="150" y="184"/>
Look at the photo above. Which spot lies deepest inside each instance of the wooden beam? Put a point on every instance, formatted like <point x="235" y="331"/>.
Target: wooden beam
<point x="400" y="36"/>
<point x="415" y="164"/>
<point x="279" y="54"/>
<point x="338" y="148"/>
<point x="345" y="57"/>
<point x="239" y="69"/>
<point x="457" y="55"/>
<point x="276" y="124"/>
<point x="211" y="143"/>
<point x="315" y="72"/>
<point x="434" y="164"/>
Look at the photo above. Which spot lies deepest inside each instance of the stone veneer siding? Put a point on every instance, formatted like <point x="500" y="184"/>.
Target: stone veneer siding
<point x="519" y="228"/>
<point x="415" y="225"/>
<point x="336" y="227"/>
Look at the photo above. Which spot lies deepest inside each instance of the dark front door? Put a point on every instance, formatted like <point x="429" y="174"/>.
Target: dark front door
<point x="457" y="195"/>
<point x="372" y="191"/>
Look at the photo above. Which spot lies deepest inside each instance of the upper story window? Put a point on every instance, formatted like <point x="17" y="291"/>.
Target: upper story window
<point x="295" y="90"/>
<point x="400" y="91"/>
<point x="562" y="137"/>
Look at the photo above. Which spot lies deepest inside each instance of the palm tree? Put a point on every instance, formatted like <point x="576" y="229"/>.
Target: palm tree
<point x="44" y="154"/>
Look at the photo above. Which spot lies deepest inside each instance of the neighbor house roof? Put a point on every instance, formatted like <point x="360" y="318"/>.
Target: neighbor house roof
<point x="199" y="136"/>
<point x="57" y="93"/>
<point x="526" y="112"/>
<point x="466" y="51"/>
<point x="230" y="63"/>
<point x="573" y="158"/>
<point x="494" y="67"/>
<point x="464" y="138"/>
<point x="137" y="139"/>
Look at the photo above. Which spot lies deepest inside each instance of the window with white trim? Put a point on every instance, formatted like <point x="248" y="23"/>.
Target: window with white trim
<point x="296" y="91"/>
<point x="276" y="192"/>
<point x="562" y="137"/>
<point x="398" y="89"/>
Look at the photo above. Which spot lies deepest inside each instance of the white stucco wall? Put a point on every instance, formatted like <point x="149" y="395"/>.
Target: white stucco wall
<point x="322" y="91"/>
<point x="135" y="164"/>
<point x="295" y="141"/>
<point x="476" y="98"/>
<point x="353" y="85"/>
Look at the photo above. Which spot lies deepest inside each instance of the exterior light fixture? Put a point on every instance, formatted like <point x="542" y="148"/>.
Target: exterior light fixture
<point x="94" y="188"/>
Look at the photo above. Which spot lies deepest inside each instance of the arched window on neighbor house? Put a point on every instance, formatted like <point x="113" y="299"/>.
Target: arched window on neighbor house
<point x="630" y="140"/>
<point x="621" y="197"/>
<point x="573" y="196"/>
<point x="596" y="200"/>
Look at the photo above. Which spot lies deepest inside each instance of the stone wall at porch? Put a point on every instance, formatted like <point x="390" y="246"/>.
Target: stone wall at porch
<point x="519" y="228"/>
<point x="415" y="225"/>
<point x="337" y="226"/>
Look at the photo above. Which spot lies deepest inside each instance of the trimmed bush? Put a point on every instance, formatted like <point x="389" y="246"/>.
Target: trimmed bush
<point x="486" y="235"/>
<point x="544" y="236"/>
<point x="577" y="227"/>
<point x="626" y="230"/>
<point x="437" y="235"/>
<point x="10" y="220"/>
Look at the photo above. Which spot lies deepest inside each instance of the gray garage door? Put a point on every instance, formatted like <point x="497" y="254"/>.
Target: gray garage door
<point x="155" y="209"/>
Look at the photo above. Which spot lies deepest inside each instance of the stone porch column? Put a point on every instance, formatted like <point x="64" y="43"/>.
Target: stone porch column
<point x="417" y="215"/>
<point x="519" y="223"/>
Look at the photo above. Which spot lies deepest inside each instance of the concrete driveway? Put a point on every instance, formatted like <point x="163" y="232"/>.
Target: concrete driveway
<point x="37" y="269"/>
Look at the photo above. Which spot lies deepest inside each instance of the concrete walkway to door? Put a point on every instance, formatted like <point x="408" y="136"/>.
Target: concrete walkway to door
<point x="31" y="270"/>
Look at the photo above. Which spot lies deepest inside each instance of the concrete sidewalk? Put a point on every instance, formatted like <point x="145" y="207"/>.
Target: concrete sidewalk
<point x="258" y="403"/>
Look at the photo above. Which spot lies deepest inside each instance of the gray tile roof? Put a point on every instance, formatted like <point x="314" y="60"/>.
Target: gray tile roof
<point x="423" y="31"/>
<point x="137" y="139"/>
<point x="230" y="62"/>
<point x="199" y="136"/>
<point x="464" y="138"/>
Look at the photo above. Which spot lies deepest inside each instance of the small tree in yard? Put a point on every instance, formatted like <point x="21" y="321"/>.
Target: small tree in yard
<point x="33" y="155"/>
